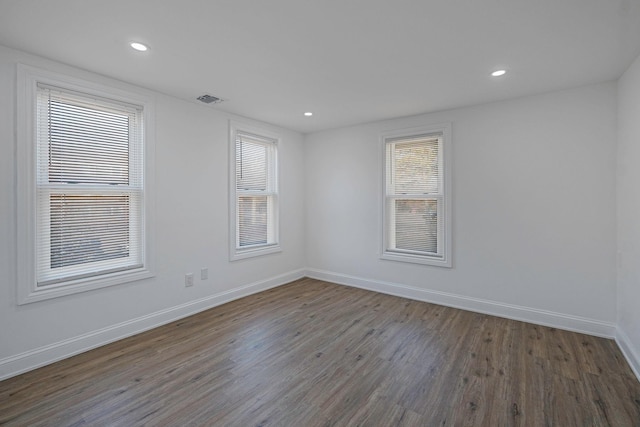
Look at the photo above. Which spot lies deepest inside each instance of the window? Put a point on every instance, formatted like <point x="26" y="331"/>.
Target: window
<point x="82" y="151"/>
<point x="254" y="189"/>
<point x="417" y="210"/>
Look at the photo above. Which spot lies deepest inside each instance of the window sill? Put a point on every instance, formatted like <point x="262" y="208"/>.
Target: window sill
<point x="416" y="259"/>
<point x="83" y="285"/>
<point x="239" y="254"/>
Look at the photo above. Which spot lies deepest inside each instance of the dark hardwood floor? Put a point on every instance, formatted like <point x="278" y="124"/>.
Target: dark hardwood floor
<point x="312" y="353"/>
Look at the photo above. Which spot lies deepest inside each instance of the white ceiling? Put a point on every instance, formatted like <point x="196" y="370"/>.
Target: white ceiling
<point x="347" y="61"/>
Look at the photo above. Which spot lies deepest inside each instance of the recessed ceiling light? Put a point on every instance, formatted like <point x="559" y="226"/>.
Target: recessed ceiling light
<point x="139" y="46"/>
<point x="308" y="114"/>
<point x="498" y="73"/>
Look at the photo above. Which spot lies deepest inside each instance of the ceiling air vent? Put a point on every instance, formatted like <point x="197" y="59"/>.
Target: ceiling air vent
<point x="209" y="99"/>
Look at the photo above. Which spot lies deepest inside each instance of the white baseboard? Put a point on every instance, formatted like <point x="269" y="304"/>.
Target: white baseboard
<point x="629" y="351"/>
<point x="33" y="359"/>
<point x="509" y="311"/>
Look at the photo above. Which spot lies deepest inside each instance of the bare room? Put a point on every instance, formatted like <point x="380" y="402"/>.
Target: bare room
<point x="320" y="213"/>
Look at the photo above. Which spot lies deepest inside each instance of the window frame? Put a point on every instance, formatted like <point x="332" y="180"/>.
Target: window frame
<point x="235" y="251"/>
<point x="443" y="256"/>
<point x="28" y="79"/>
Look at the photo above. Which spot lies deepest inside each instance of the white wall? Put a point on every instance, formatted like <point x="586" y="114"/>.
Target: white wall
<point x="629" y="214"/>
<point x="533" y="210"/>
<point x="191" y="233"/>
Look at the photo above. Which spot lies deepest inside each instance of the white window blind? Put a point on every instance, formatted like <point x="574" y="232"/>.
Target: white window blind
<point x="89" y="198"/>
<point x="256" y="190"/>
<point x="414" y="195"/>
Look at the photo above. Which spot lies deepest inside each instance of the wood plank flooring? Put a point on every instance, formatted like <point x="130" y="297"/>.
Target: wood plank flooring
<point x="312" y="353"/>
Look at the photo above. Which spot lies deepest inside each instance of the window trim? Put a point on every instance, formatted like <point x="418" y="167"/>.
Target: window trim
<point x="236" y="253"/>
<point x="28" y="78"/>
<point x="389" y="136"/>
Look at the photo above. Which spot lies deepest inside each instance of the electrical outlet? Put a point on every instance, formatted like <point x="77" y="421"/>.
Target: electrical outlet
<point x="188" y="279"/>
<point x="204" y="273"/>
